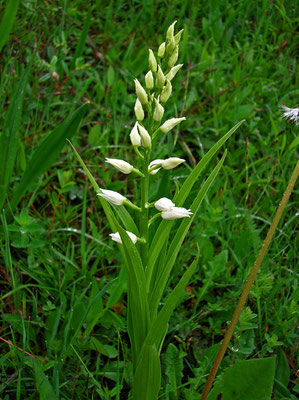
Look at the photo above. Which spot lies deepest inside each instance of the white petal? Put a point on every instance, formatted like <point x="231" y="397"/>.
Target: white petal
<point x="112" y="197"/>
<point x="175" y="213"/>
<point x="164" y="204"/>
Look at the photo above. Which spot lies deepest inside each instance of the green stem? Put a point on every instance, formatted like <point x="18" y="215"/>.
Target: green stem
<point x="144" y="209"/>
<point x="249" y="283"/>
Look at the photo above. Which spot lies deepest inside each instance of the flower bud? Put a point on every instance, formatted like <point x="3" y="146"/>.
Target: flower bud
<point x="121" y="165"/>
<point x="158" y="111"/>
<point x="116" y="237"/>
<point x="139" y="113"/>
<point x="172" y="162"/>
<point x="161" y="50"/>
<point x="174" y="57"/>
<point x="141" y="93"/>
<point x="175" y="213"/>
<point x="112" y="197"/>
<point x="153" y="164"/>
<point x="170" y="31"/>
<point x="152" y="61"/>
<point x="160" y="78"/>
<point x="145" y="137"/>
<point x="170" y="124"/>
<point x="149" y="80"/>
<point x="164" y="204"/>
<point x="170" y="45"/>
<point x="177" y="37"/>
<point x="134" y="135"/>
<point x="166" y="92"/>
<point x="172" y="73"/>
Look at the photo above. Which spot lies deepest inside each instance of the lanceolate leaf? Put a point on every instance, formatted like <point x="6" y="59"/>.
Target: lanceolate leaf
<point x="147" y="378"/>
<point x="159" y="326"/>
<point x="139" y="320"/>
<point x="165" y="270"/>
<point x="165" y="226"/>
<point x="46" y="153"/>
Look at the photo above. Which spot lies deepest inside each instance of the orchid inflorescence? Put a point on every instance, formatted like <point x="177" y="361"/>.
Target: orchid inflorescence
<point x="149" y="112"/>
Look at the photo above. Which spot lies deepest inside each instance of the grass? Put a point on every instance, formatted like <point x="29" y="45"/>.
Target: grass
<point x="56" y="261"/>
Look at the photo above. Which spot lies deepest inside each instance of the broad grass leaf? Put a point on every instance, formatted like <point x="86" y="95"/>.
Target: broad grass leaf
<point x="43" y="385"/>
<point x="47" y="152"/>
<point x="8" y="20"/>
<point x="147" y="378"/>
<point x="246" y="380"/>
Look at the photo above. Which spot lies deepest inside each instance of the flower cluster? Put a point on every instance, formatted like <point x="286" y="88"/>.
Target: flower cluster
<point x="149" y="112"/>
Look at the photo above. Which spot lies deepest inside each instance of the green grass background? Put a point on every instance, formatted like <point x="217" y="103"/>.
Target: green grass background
<point x="239" y="62"/>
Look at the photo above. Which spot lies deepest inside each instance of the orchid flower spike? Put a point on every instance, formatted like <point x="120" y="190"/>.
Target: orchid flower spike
<point x="121" y="165"/>
<point x="175" y="213"/>
<point x="112" y="197"/>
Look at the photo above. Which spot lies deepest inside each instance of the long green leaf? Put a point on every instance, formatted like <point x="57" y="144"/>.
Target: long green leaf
<point x="147" y="378"/>
<point x="139" y="318"/>
<point x="82" y="40"/>
<point x="165" y="226"/>
<point x="158" y="328"/>
<point x="46" y="153"/>
<point x="10" y="136"/>
<point x="159" y="285"/>
<point x="123" y="214"/>
<point x="7" y="21"/>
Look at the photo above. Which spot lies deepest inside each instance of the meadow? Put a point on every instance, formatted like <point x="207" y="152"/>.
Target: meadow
<point x="67" y="71"/>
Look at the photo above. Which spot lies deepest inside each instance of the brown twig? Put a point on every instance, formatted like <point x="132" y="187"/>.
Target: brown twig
<point x="249" y="283"/>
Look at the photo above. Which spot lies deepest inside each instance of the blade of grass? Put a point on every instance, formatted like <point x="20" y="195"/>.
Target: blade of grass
<point x="10" y="135"/>
<point x="7" y="21"/>
<point x="46" y="153"/>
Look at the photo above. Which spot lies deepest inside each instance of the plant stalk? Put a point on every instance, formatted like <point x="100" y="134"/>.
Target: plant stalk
<point x="249" y="283"/>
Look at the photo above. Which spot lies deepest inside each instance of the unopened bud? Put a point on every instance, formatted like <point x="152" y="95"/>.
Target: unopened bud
<point x="170" y="124"/>
<point x="160" y="78"/>
<point x="172" y="162"/>
<point x="174" y="57"/>
<point x="121" y="165"/>
<point x="170" y="30"/>
<point x="166" y="92"/>
<point x="141" y="93"/>
<point x="145" y="137"/>
<point x="170" y="45"/>
<point x="134" y="135"/>
<point x="172" y="73"/>
<point x="139" y="111"/>
<point x="152" y="61"/>
<point x="149" y="80"/>
<point x="177" y="37"/>
<point x="158" y="111"/>
<point x="161" y="50"/>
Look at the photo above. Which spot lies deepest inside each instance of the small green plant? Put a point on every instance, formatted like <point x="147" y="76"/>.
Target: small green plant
<point x="149" y="254"/>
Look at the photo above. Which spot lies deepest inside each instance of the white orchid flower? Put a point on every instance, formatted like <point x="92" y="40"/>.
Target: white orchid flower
<point x="175" y="213"/>
<point x="112" y="197"/>
<point x="116" y="237"/>
<point x="164" y="204"/>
